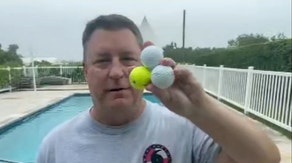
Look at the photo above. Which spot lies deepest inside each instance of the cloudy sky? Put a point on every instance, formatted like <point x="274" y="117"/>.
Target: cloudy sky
<point x="53" y="28"/>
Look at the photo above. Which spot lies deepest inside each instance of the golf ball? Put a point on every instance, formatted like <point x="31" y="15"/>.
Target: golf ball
<point x="140" y="77"/>
<point x="162" y="76"/>
<point x="151" y="56"/>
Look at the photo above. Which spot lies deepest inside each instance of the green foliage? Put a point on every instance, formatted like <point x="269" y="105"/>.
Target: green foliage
<point x="274" y="55"/>
<point x="4" y="78"/>
<point x="12" y="48"/>
<point x="278" y="37"/>
<point x="76" y="75"/>
<point x="74" y="63"/>
<point x="16" y="75"/>
<point x="248" y="39"/>
<point x="42" y="63"/>
<point x="41" y="72"/>
<point x="10" y="57"/>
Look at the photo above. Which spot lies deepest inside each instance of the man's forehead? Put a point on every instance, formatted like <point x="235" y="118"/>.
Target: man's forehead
<point x="104" y="39"/>
<point x="115" y="33"/>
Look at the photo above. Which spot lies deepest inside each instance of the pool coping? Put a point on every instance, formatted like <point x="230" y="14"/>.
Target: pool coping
<point x="14" y="121"/>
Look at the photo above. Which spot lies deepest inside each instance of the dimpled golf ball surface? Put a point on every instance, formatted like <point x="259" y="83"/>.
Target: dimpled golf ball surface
<point x="151" y="56"/>
<point x="139" y="77"/>
<point x="162" y="76"/>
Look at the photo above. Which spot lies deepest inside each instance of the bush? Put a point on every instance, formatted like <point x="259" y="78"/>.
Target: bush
<point x="273" y="56"/>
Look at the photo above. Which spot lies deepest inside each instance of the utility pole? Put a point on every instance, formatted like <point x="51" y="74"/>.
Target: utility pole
<point x="184" y="26"/>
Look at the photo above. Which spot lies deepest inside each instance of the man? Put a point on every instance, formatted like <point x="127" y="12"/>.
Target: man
<point x="123" y="127"/>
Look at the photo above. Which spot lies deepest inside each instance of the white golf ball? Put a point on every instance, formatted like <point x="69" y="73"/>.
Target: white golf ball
<point x="151" y="56"/>
<point x="162" y="76"/>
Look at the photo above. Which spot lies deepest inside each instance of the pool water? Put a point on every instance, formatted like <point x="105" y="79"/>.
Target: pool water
<point x="21" y="142"/>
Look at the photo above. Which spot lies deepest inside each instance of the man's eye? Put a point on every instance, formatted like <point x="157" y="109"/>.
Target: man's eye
<point x="129" y="59"/>
<point x="102" y="60"/>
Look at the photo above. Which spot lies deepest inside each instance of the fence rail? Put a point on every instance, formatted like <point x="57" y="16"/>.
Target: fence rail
<point x="266" y="94"/>
<point x="33" y="77"/>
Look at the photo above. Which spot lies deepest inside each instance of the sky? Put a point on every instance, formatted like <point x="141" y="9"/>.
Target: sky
<point x="53" y="28"/>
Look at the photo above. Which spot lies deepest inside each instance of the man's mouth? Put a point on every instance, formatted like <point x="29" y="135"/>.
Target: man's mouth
<point x="117" y="89"/>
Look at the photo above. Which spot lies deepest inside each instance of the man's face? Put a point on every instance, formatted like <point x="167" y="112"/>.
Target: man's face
<point x="109" y="55"/>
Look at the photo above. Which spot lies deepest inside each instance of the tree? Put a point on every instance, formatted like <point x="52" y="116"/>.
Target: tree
<point x="247" y="39"/>
<point x="9" y="57"/>
<point x="13" y="48"/>
<point x="42" y="63"/>
<point x="278" y="37"/>
<point x="258" y="52"/>
<point x="232" y="43"/>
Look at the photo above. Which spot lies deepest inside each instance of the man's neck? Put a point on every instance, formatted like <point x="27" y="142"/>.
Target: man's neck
<point x="118" y="117"/>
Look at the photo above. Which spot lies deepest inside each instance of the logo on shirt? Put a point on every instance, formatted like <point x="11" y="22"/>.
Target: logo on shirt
<point x="156" y="153"/>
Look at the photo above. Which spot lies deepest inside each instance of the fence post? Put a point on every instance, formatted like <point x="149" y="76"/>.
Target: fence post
<point x="24" y="71"/>
<point x="248" y="89"/>
<point x="221" y="68"/>
<point x="204" y="76"/>
<point x="9" y="78"/>
<point x="61" y="71"/>
<point x="33" y="75"/>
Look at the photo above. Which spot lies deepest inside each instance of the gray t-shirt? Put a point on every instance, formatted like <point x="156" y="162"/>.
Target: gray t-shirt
<point x="157" y="136"/>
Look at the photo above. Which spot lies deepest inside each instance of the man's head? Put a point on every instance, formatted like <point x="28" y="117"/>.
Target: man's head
<point x="111" y="46"/>
<point x="110" y="22"/>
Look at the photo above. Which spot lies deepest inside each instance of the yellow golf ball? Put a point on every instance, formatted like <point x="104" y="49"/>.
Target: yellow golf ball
<point x="140" y="77"/>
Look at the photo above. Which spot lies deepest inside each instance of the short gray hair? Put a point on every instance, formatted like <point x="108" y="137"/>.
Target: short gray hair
<point x="110" y="22"/>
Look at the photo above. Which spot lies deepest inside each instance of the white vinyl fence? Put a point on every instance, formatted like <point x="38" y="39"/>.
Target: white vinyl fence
<point x="266" y="94"/>
<point x="33" y="77"/>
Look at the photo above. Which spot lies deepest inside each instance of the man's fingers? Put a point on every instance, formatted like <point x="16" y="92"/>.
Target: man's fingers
<point x="147" y="43"/>
<point x="182" y="73"/>
<point x="187" y="83"/>
<point x="168" y="62"/>
<point x="184" y="79"/>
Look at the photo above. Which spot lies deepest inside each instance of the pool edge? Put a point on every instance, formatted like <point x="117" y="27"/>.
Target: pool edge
<point x="15" y="121"/>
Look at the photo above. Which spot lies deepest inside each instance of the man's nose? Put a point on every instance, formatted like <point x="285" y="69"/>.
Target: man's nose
<point x="116" y="70"/>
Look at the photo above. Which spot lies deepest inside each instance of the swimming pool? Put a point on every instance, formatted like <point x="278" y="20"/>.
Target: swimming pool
<point x="20" y="141"/>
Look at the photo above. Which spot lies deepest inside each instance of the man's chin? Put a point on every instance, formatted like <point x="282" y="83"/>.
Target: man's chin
<point x="121" y="103"/>
<point x="124" y="99"/>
